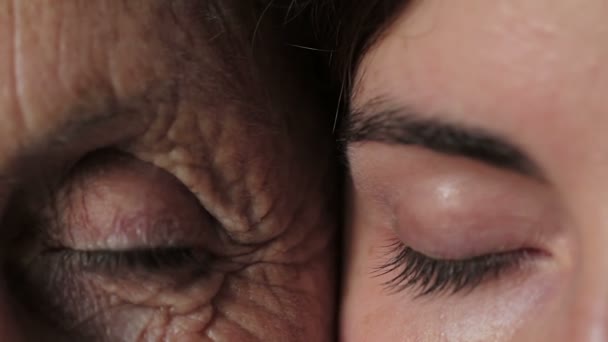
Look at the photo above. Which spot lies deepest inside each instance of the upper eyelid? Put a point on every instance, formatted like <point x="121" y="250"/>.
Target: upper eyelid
<point x="103" y="206"/>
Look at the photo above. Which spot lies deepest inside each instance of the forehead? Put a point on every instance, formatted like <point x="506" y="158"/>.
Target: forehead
<point x="515" y="67"/>
<point x="75" y="61"/>
<point x="66" y="55"/>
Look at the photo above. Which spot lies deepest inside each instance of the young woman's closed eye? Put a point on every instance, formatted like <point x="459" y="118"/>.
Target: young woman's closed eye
<point x="474" y="135"/>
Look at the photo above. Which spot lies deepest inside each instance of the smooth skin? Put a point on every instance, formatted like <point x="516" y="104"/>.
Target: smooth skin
<point x="535" y="74"/>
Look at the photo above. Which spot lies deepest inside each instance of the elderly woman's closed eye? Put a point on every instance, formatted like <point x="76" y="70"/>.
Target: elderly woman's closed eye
<point x="165" y="175"/>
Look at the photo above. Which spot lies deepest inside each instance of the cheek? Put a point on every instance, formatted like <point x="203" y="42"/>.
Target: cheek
<point x="237" y="306"/>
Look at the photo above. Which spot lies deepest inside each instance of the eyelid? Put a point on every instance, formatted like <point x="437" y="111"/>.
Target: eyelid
<point x="441" y="204"/>
<point x="114" y="201"/>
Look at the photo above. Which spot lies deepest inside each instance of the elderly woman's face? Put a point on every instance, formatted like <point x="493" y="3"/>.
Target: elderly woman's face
<point x="158" y="181"/>
<point x="479" y="154"/>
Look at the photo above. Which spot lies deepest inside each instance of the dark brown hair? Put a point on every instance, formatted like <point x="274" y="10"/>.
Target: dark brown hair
<point x="349" y="28"/>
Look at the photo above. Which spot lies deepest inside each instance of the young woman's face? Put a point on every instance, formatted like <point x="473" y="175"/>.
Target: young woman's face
<point x="478" y="152"/>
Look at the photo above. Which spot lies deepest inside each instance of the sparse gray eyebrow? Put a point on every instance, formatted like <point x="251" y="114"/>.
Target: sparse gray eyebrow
<point x="106" y="111"/>
<point x="101" y="121"/>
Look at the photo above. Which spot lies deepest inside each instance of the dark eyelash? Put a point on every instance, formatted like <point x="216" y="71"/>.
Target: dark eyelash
<point x="146" y="260"/>
<point x="431" y="276"/>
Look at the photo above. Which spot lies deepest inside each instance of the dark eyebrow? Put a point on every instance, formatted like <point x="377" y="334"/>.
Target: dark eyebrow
<point x="403" y="126"/>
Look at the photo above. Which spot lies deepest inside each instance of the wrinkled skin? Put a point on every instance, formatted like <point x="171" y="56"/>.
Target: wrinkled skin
<point x="533" y="74"/>
<point x="151" y="125"/>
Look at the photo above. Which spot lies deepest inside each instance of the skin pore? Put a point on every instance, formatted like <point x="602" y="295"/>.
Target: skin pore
<point x="477" y="155"/>
<point x="165" y="175"/>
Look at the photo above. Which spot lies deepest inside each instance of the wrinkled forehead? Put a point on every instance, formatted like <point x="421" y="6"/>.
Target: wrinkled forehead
<point x="69" y="64"/>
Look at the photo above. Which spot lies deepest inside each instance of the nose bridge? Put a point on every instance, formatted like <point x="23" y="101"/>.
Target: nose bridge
<point x="587" y="300"/>
<point x="579" y="311"/>
<point x="589" y="260"/>
<point x="585" y="308"/>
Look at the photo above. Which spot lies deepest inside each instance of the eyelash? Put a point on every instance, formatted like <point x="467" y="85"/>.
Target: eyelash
<point x="429" y="276"/>
<point x="152" y="260"/>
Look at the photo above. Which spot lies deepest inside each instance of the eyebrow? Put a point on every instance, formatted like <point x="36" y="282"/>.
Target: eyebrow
<point x="104" y="120"/>
<point x="86" y="117"/>
<point x="378" y="122"/>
